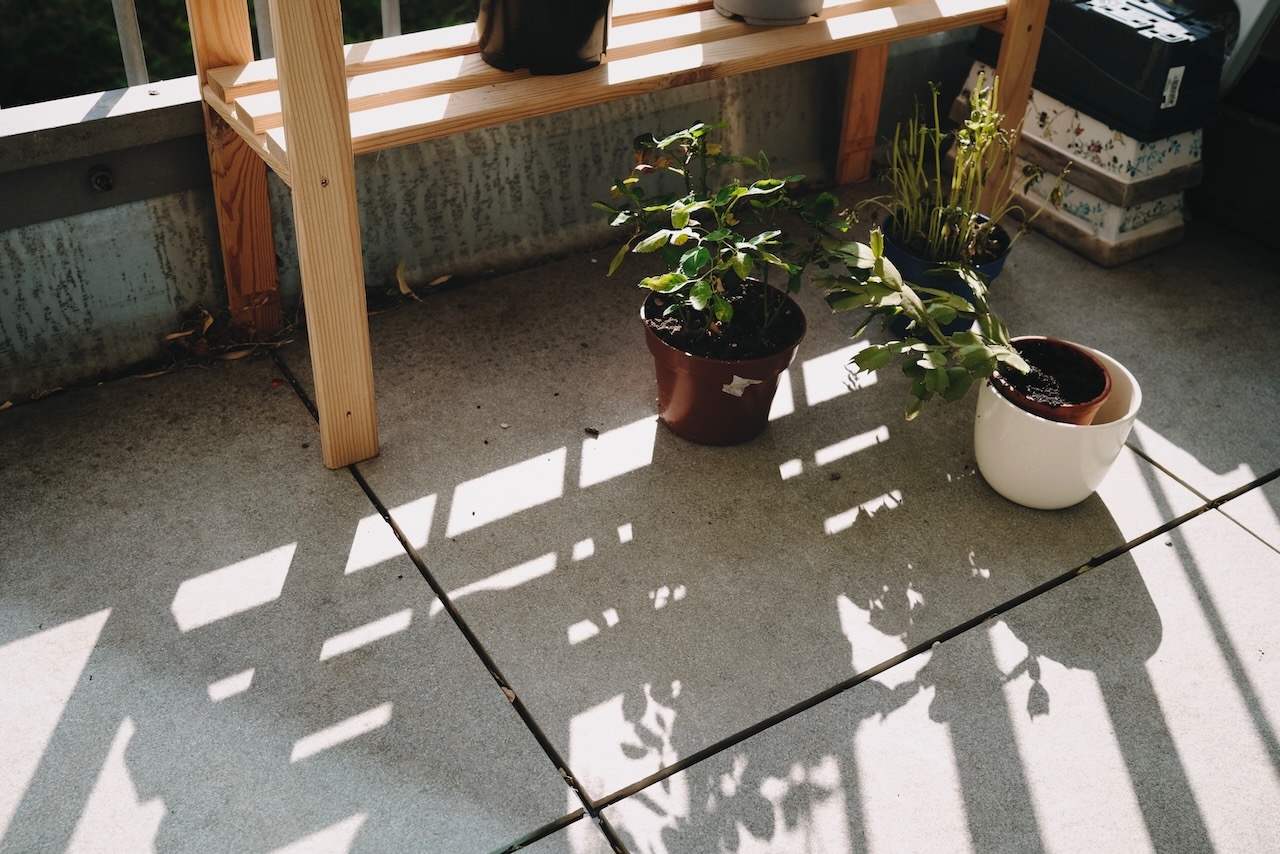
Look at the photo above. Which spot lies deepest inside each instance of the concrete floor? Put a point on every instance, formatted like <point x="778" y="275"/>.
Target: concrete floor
<point x="208" y="642"/>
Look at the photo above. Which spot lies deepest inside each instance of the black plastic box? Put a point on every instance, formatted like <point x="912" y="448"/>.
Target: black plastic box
<point x="1145" y="68"/>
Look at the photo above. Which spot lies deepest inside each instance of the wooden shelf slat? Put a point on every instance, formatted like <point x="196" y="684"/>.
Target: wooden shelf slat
<point x="444" y="96"/>
<point x="275" y="158"/>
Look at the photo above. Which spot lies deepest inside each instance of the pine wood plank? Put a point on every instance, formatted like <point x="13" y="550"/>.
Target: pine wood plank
<point x="867" y="69"/>
<point x="441" y="115"/>
<point x="308" y="43"/>
<point x="220" y="36"/>
<point x="1015" y="68"/>
<point x="255" y="141"/>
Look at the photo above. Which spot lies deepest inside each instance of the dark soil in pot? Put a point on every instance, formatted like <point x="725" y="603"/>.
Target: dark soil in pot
<point x="1065" y="382"/>
<point x="764" y="322"/>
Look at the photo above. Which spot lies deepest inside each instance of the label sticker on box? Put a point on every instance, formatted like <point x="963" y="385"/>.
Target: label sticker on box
<point x="1172" y="83"/>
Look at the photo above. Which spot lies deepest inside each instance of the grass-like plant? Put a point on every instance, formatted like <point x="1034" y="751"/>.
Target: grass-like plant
<point x="937" y="213"/>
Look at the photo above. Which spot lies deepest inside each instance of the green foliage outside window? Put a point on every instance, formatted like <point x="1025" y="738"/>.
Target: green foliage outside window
<point x="56" y="48"/>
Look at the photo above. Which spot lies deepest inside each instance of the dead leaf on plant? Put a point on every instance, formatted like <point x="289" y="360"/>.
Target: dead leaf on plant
<point x="236" y="354"/>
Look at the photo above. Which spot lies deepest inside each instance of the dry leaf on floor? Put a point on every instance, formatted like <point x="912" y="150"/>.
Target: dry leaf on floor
<point x="439" y="280"/>
<point x="404" y="283"/>
<point x="5" y="405"/>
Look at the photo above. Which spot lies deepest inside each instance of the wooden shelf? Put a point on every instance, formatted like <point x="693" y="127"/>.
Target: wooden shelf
<point x="308" y="112"/>
<point x="428" y="85"/>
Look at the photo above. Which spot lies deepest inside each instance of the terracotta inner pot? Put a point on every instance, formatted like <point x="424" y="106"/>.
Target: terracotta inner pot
<point x="1067" y="383"/>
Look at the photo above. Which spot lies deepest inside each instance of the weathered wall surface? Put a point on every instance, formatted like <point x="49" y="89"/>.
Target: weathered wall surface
<point x="95" y="292"/>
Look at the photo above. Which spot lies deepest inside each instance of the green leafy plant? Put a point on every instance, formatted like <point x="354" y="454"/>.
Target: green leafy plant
<point x="724" y="245"/>
<point x="936" y="213"/>
<point x="936" y="364"/>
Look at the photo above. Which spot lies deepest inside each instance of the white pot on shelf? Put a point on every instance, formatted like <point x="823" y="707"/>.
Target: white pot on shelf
<point x="1048" y="465"/>
<point x="770" y="12"/>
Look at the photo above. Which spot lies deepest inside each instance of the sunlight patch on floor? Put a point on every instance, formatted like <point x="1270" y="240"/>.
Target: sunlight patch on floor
<point x="507" y="579"/>
<point x="231" y="685"/>
<point x="39" y="673"/>
<point x="617" y="742"/>
<point x="366" y="634"/>
<point x="618" y="451"/>
<point x="352" y="727"/>
<point x="375" y="542"/>
<point x="507" y="491"/>
<point x="844" y="521"/>
<point x="827" y="377"/>
<point x="1064" y="752"/>
<point x="233" y="589"/>
<point x="114" y="819"/>
<point x="334" y="839"/>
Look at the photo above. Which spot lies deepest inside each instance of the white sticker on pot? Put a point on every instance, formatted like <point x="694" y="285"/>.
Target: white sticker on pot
<point x="739" y="385"/>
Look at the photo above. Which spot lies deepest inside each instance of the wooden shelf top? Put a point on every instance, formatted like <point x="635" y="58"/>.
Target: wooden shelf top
<point x="431" y="84"/>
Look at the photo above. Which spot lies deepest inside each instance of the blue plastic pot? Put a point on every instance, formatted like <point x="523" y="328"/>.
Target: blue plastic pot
<point x="928" y="274"/>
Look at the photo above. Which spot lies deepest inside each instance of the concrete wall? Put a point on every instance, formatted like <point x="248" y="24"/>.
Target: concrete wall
<point x="91" y="280"/>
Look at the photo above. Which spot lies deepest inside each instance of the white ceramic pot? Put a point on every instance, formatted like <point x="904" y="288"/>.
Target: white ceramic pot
<point x="770" y="12"/>
<point x="1046" y="464"/>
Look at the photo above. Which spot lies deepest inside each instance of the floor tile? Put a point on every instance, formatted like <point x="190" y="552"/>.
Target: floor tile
<point x="209" y="642"/>
<point x="1133" y="708"/>
<point x="623" y="576"/>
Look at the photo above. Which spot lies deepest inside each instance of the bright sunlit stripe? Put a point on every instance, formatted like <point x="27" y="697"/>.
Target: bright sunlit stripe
<point x="335" y="837"/>
<point x="114" y="818"/>
<point x="581" y="631"/>
<point x="844" y="521"/>
<point x="366" y="634"/>
<point x="828" y="376"/>
<point x="352" y="727"/>
<point x="375" y="542"/>
<point x="230" y="686"/>
<point x="584" y="549"/>
<point x="506" y="492"/>
<point x="39" y="674"/>
<point x="618" y="451"/>
<point x="233" y="589"/>
<point x="851" y="446"/>
<point x="654" y="64"/>
<point x="505" y="580"/>
<point x="790" y="469"/>
<point x="784" y="400"/>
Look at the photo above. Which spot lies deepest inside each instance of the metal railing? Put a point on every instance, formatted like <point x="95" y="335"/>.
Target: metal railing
<point x="135" y="60"/>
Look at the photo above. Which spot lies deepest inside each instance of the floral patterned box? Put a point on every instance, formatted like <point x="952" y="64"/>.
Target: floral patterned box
<point x="1104" y="232"/>
<point x="1089" y="141"/>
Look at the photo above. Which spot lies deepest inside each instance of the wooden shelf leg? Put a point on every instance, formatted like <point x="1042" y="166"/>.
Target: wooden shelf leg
<point x="1016" y="65"/>
<point x="317" y="127"/>
<point x="861" y="113"/>
<point x="220" y="36"/>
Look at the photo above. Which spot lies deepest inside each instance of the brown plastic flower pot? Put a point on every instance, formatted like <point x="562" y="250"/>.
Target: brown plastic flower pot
<point x="716" y="401"/>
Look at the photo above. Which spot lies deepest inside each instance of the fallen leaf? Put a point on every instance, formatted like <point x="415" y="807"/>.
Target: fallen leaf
<point x="45" y="393"/>
<point x="5" y="405"/>
<point x="404" y="283"/>
<point x="173" y="336"/>
<point x="439" y="280"/>
<point x="235" y="354"/>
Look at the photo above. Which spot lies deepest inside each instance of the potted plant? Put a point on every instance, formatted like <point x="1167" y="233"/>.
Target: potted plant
<point x="936" y="217"/>
<point x="770" y="13"/>
<point x="1052" y="416"/>
<point x="732" y="242"/>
